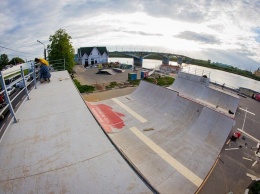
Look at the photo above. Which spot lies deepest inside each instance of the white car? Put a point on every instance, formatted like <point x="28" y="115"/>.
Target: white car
<point x="20" y="83"/>
<point x="10" y="90"/>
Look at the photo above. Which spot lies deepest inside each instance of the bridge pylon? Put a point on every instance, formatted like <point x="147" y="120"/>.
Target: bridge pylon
<point x="138" y="61"/>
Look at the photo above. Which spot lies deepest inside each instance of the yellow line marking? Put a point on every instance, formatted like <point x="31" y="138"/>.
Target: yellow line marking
<point x="168" y="158"/>
<point x="137" y="116"/>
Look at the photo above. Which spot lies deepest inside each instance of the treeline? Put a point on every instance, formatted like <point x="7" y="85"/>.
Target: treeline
<point x="229" y="69"/>
<point x="199" y="62"/>
<point x="4" y="61"/>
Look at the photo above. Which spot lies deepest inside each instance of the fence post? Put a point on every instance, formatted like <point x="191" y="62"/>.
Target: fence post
<point x="24" y="83"/>
<point x="34" y="75"/>
<point x="9" y="104"/>
<point x="64" y="64"/>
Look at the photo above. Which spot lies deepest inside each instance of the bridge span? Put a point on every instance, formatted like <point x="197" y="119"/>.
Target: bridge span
<point x="138" y="56"/>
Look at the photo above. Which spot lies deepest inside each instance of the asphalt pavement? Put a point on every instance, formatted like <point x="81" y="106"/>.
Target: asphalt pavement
<point x="237" y="159"/>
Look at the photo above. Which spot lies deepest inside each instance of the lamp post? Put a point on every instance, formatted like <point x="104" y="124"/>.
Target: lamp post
<point x="44" y="49"/>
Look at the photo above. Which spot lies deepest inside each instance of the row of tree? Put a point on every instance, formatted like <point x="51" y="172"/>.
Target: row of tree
<point x="60" y="47"/>
<point x="4" y="61"/>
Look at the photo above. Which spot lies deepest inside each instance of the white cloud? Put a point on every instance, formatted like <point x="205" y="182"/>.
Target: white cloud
<point x="226" y="31"/>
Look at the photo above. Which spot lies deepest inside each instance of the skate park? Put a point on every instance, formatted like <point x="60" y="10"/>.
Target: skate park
<point x="171" y="138"/>
<point x="153" y="140"/>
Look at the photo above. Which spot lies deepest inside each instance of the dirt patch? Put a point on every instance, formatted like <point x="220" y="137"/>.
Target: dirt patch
<point x="99" y="96"/>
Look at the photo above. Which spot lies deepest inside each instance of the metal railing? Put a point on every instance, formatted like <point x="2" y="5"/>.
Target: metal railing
<point x="196" y="71"/>
<point x="58" y="65"/>
<point x="23" y="84"/>
<point x="224" y="86"/>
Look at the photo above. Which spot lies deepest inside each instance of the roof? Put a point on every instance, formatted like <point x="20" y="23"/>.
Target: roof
<point x="88" y="50"/>
<point x="58" y="147"/>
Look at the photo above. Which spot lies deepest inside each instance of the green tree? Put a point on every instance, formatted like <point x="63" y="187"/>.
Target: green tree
<point x="16" y="60"/>
<point x="61" y="48"/>
<point x="3" y="61"/>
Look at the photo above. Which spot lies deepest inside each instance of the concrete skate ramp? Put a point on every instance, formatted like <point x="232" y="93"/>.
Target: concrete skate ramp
<point x="172" y="141"/>
<point x="58" y="147"/>
<point x="195" y="87"/>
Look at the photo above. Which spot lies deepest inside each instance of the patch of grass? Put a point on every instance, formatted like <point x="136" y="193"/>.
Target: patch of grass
<point x="111" y="85"/>
<point x="161" y="81"/>
<point x="83" y="88"/>
<point x="165" y="81"/>
<point x="254" y="188"/>
<point x="134" y="82"/>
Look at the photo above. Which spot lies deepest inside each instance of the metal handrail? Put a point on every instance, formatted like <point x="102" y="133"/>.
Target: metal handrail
<point x="22" y="79"/>
<point x="196" y="71"/>
<point x="60" y="66"/>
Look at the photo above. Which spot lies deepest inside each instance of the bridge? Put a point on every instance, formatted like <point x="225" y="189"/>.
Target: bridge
<point x="138" y="56"/>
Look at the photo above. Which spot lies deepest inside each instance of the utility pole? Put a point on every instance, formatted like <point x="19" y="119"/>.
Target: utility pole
<point x="44" y="51"/>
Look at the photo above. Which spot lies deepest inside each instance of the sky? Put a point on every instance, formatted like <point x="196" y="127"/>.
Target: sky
<point x="225" y="31"/>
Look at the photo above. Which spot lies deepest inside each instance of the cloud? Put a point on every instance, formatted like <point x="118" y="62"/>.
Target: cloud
<point x="230" y="29"/>
<point x="198" y="37"/>
<point x="142" y="33"/>
<point x="257" y="31"/>
<point x="230" y="57"/>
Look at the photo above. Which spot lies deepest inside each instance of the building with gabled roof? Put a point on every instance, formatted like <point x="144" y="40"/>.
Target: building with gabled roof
<point x="257" y="72"/>
<point x="92" y="55"/>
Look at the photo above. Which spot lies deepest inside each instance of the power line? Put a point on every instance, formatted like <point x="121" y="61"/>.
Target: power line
<point x="13" y="50"/>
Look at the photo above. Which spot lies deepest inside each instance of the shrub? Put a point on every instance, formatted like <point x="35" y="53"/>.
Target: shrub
<point x="134" y="82"/>
<point x="161" y="81"/>
<point x="83" y="88"/>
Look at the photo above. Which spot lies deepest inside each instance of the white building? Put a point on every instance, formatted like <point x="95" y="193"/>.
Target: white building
<point x="92" y="55"/>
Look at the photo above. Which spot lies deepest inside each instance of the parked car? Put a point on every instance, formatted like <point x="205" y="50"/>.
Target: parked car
<point x="2" y="100"/>
<point x="20" y="83"/>
<point x="3" y="111"/>
<point x="10" y="90"/>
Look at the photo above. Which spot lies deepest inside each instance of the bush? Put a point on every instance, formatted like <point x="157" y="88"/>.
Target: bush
<point x="161" y="81"/>
<point x="165" y="81"/>
<point x="83" y="88"/>
<point x="113" y="84"/>
<point x="134" y="82"/>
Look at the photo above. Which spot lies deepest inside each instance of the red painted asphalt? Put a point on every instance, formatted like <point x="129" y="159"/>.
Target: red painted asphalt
<point x="110" y="121"/>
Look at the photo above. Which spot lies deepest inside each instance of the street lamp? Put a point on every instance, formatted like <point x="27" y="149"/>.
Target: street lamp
<point x="44" y="49"/>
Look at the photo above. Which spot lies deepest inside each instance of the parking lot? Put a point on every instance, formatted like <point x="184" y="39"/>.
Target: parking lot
<point x="89" y="76"/>
<point x="237" y="159"/>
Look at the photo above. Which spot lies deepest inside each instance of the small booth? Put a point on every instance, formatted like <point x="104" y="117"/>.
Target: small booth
<point x="132" y="76"/>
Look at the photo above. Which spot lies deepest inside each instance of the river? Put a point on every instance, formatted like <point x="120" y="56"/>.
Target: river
<point x="220" y="77"/>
